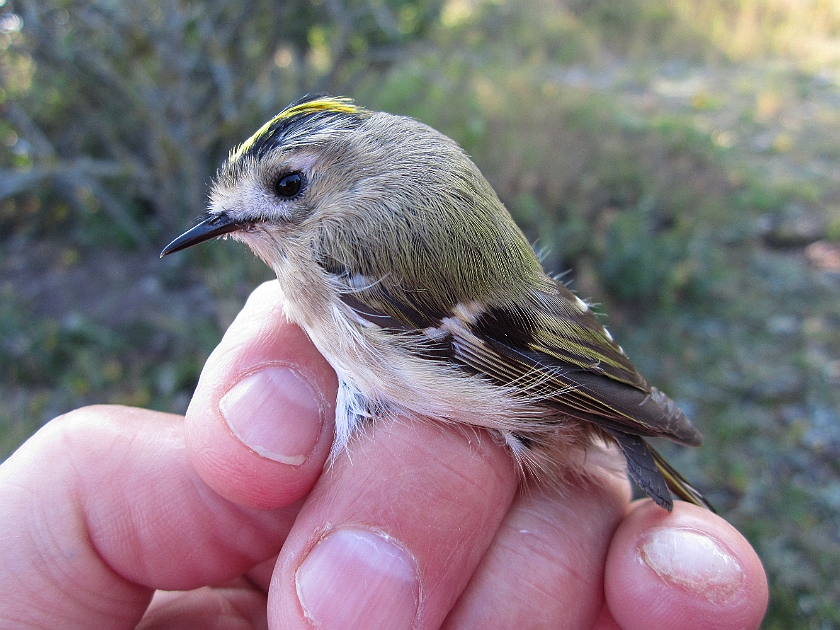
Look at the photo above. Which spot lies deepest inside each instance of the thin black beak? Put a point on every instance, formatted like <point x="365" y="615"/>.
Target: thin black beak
<point x="212" y="226"/>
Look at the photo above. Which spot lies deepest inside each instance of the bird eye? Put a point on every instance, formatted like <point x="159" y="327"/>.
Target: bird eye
<point x="289" y="186"/>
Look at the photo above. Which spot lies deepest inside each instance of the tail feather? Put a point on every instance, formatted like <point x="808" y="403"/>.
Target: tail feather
<point x="649" y="470"/>
<point x="678" y="484"/>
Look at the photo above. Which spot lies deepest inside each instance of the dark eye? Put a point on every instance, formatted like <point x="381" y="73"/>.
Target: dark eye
<point x="289" y="186"/>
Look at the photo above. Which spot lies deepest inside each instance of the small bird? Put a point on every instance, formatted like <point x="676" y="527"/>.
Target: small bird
<point x="408" y="274"/>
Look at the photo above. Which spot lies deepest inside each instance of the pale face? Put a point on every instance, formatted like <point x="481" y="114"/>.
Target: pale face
<point x="268" y="200"/>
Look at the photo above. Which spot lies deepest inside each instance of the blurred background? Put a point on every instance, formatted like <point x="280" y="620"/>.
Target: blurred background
<point x="679" y="159"/>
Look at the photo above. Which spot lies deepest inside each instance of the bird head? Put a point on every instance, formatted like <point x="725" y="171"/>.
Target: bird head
<point x="329" y="182"/>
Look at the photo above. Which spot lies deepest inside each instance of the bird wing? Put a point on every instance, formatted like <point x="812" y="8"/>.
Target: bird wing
<point x="550" y="346"/>
<point x="554" y="350"/>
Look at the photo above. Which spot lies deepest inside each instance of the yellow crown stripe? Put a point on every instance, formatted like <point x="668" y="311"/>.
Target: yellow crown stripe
<point x="338" y="105"/>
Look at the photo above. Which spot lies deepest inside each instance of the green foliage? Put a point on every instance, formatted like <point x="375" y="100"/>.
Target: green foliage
<point x="135" y="363"/>
<point x="129" y="107"/>
<point x="642" y="260"/>
<point x="630" y="27"/>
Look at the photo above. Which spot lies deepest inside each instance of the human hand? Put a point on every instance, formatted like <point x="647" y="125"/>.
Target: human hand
<point x="418" y="526"/>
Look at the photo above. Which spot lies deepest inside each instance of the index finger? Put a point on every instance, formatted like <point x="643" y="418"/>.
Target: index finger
<point x="260" y="424"/>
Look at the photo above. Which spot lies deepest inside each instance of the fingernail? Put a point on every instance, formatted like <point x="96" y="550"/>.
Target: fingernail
<point x="274" y="412"/>
<point x="359" y="580"/>
<point x="693" y="561"/>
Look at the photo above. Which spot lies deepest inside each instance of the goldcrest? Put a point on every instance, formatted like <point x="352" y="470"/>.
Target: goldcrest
<point x="397" y="258"/>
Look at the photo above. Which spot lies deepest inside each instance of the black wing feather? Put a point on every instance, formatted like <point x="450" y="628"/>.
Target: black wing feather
<point x="558" y="352"/>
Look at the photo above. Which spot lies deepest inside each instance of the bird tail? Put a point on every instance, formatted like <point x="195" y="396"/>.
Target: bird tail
<point x="678" y="484"/>
<point x="654" y="475"/>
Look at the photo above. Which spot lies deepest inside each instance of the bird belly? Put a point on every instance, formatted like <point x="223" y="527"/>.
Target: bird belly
<point x="382" y="378"/>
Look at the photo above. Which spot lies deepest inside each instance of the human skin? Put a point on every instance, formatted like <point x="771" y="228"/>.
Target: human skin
<point x="115" y="517"/>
